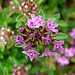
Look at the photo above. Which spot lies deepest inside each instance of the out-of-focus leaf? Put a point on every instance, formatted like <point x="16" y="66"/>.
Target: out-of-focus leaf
<point x="1" y="56"/>
<point x="64" y="13"/>
<point x="40" y="59"/>
<point x="12" y="60"/>
<point x="71" y="14"/>
<point x="3" y="15"/>
<point x="2" y="47"/>
<point x="73" y="59"/>
<point x="69" y="39"/>
<point x="10" y="44"/>
<point x="62" y="23"/>
<point x="57" y="16"/>
<point x="42" y="13"/>
<point x="44" y="69"/>
<point x="5" y="71"/>
<point x="35" y="69"/>
<point x="1" y="69"/>
<point x="71" y="23"/>
<point x="29" y="66"/>
<point x="60" y="36"/>
<point x="53" y="19"/>
<point x="50" y="72"/>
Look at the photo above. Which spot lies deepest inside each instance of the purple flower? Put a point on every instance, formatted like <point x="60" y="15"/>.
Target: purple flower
<point x="19" y="67"/>
<point x="26" y="68"/>
<point x="72" y="42"/>
<point x="57" y="56"/>
<point x="19" y="73"/>
<point x="47" y="39"/>
<point x="39" y="34"/>
<point x="31" y="35"/>
<point x="72" y="34"/>
<point x="21" y="29"/>
<point x="35" y="22"/>
<point x="13" y="74"/>
<point x="72" y="49"/>
<point x="68" y="52"/>
<point x="15" y="65"/>
<point x="47" y="53"/>
<point x="63" y="61"/>
<point x="31" y="53"/>
<point x="18" y="39"/>
<point x="27" y="45"/>
<point x="37" y="73"/>
<point x="12" y="70"/>
<point x="58" y="45"/>
<point x="51" y="27"/>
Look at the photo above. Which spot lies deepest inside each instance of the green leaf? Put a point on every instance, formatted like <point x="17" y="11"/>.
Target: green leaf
<point x="12" y="60"/>
<point x="42" y="13"/>
<point x="44" y="69"/>
<point x="40" y="59"/>
<point x="5" y="72"/>
<point x="35" y="69"/>
<point x="73" y="59"/>
<point x="53" y="19"/>
<point x="62" y="23"/>
<point x="3" y="15"/>
<point x="29" y="66"/>
<point x="51" y="72"/>
<point x="21" y="18"/>
<point x="60" y="36"/>
<point x="10" y="44"/>
<point x="2" y="47"/>
<point x="38" y="1"/>
<point x="18" y="24"/>
<point x="57" y="16"/>
<point x="19" y="45"/>
<point x="1" y="69"/>
<point x="1" y="56"/>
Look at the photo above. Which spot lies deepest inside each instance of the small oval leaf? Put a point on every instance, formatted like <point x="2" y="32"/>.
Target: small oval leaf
<point x="60" y="36"/>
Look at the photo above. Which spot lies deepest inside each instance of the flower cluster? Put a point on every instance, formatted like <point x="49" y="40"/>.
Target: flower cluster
<point x="27" y="7"/>
<point x="35" y="32"/>
<point x="19" y="70"/>
<point x="6" y="35"/>
<point x="63" y="58"/>
<point x="72" y="34"/>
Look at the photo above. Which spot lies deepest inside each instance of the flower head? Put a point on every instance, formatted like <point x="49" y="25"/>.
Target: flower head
<point x="68" y="52"/>
<point x="31" y="53"/>
<point x="21" y="29"/>
<point x="35" y="22"/>
<point x="31" y="35"/>
<point x="72" y="42"/>
<point x="47" y="39"/>
<point x="20" y="70"/>
<point x="26" y="46"/>
<point x="6" y="35"/>
<point x="72" y="34"/>
<point x="18" y="39"/>
<point x="51" y="27"/>
<point x="58" y="45"/>
<point x="63" y="61"/>
<point x="47" y="53"/>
